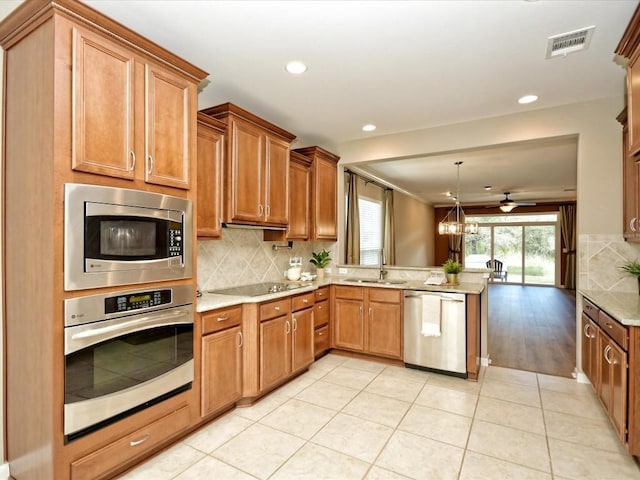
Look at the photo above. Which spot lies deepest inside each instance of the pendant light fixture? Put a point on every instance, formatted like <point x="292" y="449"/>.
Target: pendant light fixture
<point x="453" y="223"/>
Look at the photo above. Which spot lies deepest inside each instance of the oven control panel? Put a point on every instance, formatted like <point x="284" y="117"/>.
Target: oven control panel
<point x="137" y="301"/>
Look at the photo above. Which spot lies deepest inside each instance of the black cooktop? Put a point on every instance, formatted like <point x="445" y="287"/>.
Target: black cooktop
<point x="257" y="289"/>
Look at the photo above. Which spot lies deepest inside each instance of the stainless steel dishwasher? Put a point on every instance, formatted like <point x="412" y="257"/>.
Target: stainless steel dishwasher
<point x="435" y="332"/>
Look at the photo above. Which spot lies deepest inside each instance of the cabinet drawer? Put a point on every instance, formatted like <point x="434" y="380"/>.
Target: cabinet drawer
<point x="615" y="330"/>
<point x="305" y="300"/>
<point x="321" y="314"/>
<point x="100" y="463"/>
<point x="590" y="309"/>
<point x="355" y="293"/>
<point x="216" y="320"/>
<point x="322" y="294"/>
<point x="275" y="309"/>
<point x="321" y="340"/>
<point x="385" y="295"/>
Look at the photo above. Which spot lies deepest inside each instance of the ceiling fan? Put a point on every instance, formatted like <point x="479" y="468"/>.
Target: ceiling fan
<point x="506" y="204"/>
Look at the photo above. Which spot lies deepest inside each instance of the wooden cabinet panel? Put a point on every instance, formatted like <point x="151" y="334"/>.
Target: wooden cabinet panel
<point x="348" y="324"/>
<point x="321" y="313"/>
<point x="630" y="185"/>
<point x="168" y="127"/>
<point x="103" y="109"/>
<point x="325" y="203"/>
<point x="221" y="370"/>
<point x="103" y="462"/>
<point x="275" y="308"/>
<point x="221" y="319"/>
<point x="277" y="182"/>
<point x="355" y="293"/>
<point x="209" y="178"/>
<point x="590" y="350"/>
<point x="618" y="412"/>
<point x="299" y="197"/>
<point x="385" y="329"/>
<point x="302" y="301"/>
<point x="245" y="175"/>
<point x="321" y="340"/>
<point x="322" y="293"/>
<point x="275" y="351"/>
<point x="633" y="103"/>
<point x="303" y="339"/>
<point x="614" y="329"/>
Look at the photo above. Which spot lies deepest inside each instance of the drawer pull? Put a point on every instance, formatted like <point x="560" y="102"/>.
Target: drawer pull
<point x="320" y="307"/>
<point x="241" y="339"/>
<point x="609" y="326"/>
<point x="135" y="443"/>
<point x="287" y="327"/>
<point x="320" y="334"/>
<point x="277" y="309"/>
<point x="304" y="300"/>
<point x="223" y="319"/>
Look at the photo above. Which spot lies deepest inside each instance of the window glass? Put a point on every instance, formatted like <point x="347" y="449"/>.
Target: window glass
<point x="370" y="230"/>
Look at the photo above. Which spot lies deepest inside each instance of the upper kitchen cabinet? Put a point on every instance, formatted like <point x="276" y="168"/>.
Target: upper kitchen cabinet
<point x="210" y="163"/>
<point x="629" y="47"/>
<point x="132" y="117"/>
<point x="630" y="186"/>
<point x="256" y="168"/>
<point x="324" y="193"/>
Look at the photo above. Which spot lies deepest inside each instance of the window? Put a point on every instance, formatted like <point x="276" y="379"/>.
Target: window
<point x="370" y="230"/>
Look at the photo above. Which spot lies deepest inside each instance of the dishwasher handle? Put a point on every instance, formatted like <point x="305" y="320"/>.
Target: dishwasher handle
<point x="442" y="299"/>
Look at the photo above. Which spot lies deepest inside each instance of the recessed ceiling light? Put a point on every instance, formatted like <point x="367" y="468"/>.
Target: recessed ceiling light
<point x="528" y="99"/>
<point x="369" y="127"/>
<point x="487" y="187"/>
<point x="296" y="67"/>
<point x="448" y="194"/>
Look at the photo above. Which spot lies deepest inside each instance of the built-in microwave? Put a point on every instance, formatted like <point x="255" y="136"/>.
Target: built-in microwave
<point x="118" y="236"/>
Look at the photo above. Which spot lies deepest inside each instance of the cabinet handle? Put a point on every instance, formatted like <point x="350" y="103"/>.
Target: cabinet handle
<point x="240" y="339"/>
<point x="133" y="161"/>
<point x="260" y="210"/>
<point x="222" y="319"/>
<point x="361" y="312"/>
<point x="370" y="312"/>
<point x="584" y="330"/>
<point x="609" y="326"/>
<point x="150" y="165"/>
<point x="320" y="334"/>
<point x="288" y="329"/>
<point x="268" y="209"/>
<point x="319" y="307"/>
<point x="632" y="222"/>
<point x="607" y="349"/>
<point x="134" y="443"/>
<point x="277" y="308"/>
<point x="295" y="324"/>
<point x="305" y="300"/>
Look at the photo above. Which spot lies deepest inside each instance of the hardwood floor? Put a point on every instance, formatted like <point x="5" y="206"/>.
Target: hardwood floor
<point x="532" y="328"/>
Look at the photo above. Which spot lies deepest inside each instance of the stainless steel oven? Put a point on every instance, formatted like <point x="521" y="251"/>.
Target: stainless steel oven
<point x="117" y="236"/>
<point x="123" y="352"/>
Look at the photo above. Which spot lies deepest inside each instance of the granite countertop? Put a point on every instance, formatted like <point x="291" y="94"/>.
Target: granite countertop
<point x="212" y="301"/>
<point x="622" y="306"/>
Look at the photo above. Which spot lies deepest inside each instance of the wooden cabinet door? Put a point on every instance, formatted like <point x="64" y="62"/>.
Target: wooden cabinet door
<point x="349" y="324"/>
<point x="299" y="201"/>
<point x="277" y="181"/>
<point x="384" y="329"/>
<point x="303" y="339"/>
<point x="103" y="106"/>
<point x="275" y="351"/>
<point x="168" y="107"/>
<point x="589" y="349"/>
<point x="605" y="382"/>
<point x="633" y="103"/>
<point x="325" y="203"/>
<point x="617" y="359"/>
<point x="221" y="369"/>
<point x="246" y="172"/>
<point x="209" y="180"/>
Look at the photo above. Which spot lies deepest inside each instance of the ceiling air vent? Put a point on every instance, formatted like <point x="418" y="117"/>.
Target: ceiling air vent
<point x="565" y="43"/>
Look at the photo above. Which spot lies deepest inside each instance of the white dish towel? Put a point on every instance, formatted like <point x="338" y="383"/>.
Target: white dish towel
<point x="431" y="316"/>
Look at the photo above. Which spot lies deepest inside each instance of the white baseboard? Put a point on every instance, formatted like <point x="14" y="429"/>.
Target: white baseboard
<point x="485" y="361"/>
<point x="5" y="474"/>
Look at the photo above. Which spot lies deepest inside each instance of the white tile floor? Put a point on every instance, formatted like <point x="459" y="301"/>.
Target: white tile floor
<point x="354" y="419"/>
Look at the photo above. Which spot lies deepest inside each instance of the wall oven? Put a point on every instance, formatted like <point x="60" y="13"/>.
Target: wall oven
<point x="117" y="236"/>
<point x="123" y="352"/>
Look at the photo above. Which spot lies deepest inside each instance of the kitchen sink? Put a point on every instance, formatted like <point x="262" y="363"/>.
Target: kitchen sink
<point x="375" y="280"/>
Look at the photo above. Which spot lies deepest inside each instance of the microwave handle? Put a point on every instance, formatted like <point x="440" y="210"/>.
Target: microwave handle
<point x="94" y="209"/>
<point x="85" y="338"/>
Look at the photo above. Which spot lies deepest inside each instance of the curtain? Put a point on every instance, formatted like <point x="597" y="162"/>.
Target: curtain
<point x="568" y="231"/>
<point x="389" y="239"/>
<point x="455" y="247"/>
<point x="352" y="251"/>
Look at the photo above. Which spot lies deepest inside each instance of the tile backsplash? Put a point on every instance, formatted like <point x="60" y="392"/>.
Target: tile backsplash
<point x="600" y="259"/>
<point x="242" y="257"/>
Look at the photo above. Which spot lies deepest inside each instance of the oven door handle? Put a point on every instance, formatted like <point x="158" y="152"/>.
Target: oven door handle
<point x="90" y="336"/>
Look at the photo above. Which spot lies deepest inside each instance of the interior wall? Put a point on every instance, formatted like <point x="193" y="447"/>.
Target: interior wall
<point x="414" y="231"/>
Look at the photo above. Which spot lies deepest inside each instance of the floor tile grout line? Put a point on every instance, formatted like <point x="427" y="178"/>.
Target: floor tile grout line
<point x="546" y="433"/>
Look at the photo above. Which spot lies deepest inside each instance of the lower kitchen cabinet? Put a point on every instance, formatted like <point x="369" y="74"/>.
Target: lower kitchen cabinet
<point x="321" y="314"/>
<point x="221" y="373"/>
<point x="368" y="320"/>
<point x="275" y="351"/>
<point x="590" y="349"/>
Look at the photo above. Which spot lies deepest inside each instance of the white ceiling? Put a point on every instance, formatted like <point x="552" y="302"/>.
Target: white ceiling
<point x="402" y="65"/>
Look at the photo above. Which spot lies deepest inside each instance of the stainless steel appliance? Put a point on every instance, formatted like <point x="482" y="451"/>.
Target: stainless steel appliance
<point x="125" y="351"/>
<point x="117" y="236"/>
<point x="435" y="331"/>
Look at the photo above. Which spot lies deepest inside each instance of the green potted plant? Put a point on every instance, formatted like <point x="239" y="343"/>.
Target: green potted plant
<point x="632" y="267"/>
<point x="320" y="260"/>
<point x="452" y="269"/>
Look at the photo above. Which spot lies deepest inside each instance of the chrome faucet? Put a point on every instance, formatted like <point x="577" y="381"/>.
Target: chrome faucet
<point x="383" y="272"/>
